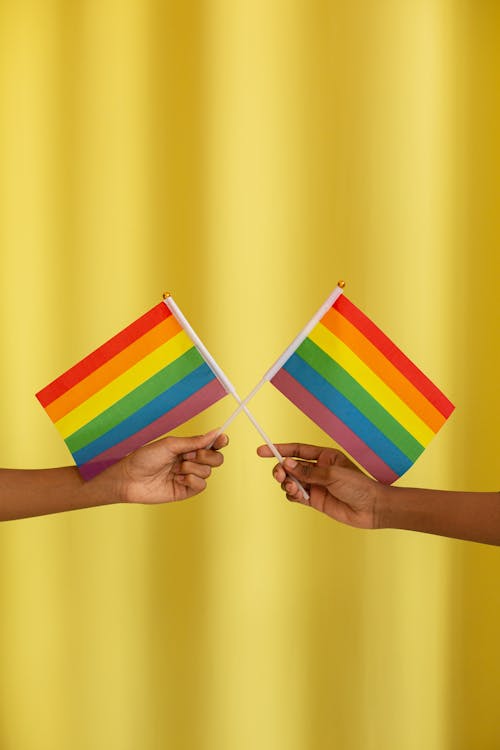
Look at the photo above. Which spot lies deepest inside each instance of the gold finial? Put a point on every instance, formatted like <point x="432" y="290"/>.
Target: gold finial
<point x="341" y="284"/>
<point x="166" y="295"/>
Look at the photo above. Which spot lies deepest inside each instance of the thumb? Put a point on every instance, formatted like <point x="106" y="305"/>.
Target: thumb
<point x="180" y="445"/>
<point x="310" y="473"/>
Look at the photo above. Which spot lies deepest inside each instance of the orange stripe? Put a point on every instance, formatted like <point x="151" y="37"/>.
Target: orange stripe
<point x="114" y="367"/>
<point x="380" y="365"/>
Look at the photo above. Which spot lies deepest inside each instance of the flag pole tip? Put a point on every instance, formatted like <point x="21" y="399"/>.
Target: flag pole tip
<point x="341" y="284"/>
<point x="166" y="295"/>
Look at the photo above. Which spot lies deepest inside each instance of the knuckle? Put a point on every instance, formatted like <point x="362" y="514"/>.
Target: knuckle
<point x="306" y="469"/>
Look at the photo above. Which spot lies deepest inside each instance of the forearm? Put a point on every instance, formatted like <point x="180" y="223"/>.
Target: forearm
<point x="474" y="516"/>
<point x="33" y="492"/>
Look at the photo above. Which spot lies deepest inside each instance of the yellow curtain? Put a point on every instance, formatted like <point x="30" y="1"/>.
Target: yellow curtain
<point x="247" y="155"/>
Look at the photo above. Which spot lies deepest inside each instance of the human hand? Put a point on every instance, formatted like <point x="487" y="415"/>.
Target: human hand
<point x="174" y="468"/>
<point x="335" y="485"/>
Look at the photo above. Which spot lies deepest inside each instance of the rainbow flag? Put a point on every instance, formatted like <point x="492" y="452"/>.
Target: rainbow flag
<point x="359" y="387"/>
<point x="139" y="385"/>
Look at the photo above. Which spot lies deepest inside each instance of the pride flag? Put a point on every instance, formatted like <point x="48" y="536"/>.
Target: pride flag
<point x="139" y="385"/>
<point x="359" y="387"/>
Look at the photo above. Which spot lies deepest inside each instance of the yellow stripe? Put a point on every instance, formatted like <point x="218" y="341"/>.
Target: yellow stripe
<point x="371" y="382"/>
<point x="125" y="383"/>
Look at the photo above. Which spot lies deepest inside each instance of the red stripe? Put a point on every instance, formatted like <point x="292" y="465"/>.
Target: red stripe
<point x="103" y="354"/>
<point x="346" y="308"/>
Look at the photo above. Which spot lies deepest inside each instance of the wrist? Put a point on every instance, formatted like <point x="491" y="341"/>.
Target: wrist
<point x="105" y="489"/>
<point x="385" y="507"/>
<point x="413" y="509"/>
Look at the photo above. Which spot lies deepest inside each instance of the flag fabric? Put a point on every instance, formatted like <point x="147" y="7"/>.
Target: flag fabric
<point x="360" y="388"/>
<point x="139" y="385"/>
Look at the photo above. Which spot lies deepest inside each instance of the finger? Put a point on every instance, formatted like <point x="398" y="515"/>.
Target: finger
<point x="194" y="483"/>
<point x="279" y="473"/>
<point x="299" y="450"/>
<point x="215" y="440"/>
<point x="199" y="470"/>
<point x="297" y="497"/>
<point x="187" y="445"/>
<point x="291" y="488"/>
<point x="282" y="477"/>
<point x="209" y="457"/>
<point x="264" y="451"/>
<point x="310" y="472"/>
<point x="221" y="442"/>
<point x="294" y="492"/>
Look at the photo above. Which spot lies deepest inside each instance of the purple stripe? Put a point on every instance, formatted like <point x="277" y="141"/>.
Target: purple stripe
<point x="193" y="405"/>
<point x="332" y="425"/>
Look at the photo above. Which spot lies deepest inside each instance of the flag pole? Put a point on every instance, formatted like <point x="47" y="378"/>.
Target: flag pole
<point x="287" y="353"/>
<point x="221" y="376"/>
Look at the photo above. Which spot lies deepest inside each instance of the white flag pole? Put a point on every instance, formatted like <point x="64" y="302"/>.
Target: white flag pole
<point x="221" y="376"/>
<point x="287" y="353"/>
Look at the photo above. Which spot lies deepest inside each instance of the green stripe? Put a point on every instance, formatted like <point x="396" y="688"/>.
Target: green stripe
<point x="136" y="399"/>
<point x="334" y="374"/>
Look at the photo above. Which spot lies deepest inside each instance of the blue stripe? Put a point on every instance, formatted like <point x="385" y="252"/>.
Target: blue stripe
<point x="147" y="414"/>
<point x="348" y="414"/>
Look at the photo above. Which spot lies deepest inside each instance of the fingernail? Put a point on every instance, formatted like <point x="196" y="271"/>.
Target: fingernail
<point x="290" y="463"/>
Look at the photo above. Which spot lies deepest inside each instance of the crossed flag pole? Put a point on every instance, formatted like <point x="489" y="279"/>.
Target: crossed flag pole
<point x="220" y="374"/>
<point x="342" y="371"/>
<point x="282" y="359"/>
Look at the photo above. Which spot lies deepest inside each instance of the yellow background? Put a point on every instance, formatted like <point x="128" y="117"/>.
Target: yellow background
<point x="246" y="155"/>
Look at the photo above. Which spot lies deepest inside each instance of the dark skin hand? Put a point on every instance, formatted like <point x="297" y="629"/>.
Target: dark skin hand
<point x="345" y="494"/>
<point x="170" y="469"/>
<point x="339" y="489"/>
<point x="159" y="473"/>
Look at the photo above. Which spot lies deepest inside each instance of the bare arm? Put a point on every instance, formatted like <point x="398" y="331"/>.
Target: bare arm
<point x="339" y="489"/>
<point x="474" y="516"/>
<point x="169" y="469"/>
<point x="33" y="492"/>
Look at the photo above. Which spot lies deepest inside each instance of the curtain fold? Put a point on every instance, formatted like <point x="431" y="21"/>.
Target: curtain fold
<point x="246" y="156"/>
